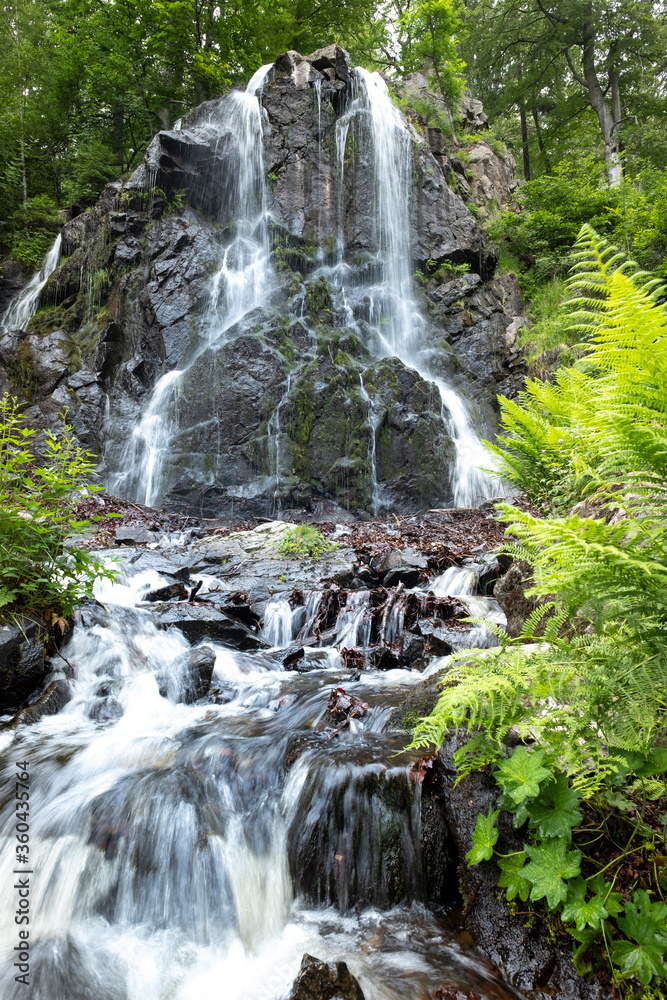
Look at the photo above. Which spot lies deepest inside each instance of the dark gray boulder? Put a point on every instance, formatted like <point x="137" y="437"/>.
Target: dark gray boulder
<point x="55" y="695"/>
<point x="22" y="666"/>
<point x="198" y="622"/>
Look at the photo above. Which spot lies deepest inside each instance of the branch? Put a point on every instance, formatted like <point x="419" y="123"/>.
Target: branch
<point x="553" y="18"/>
<point x="573" y="71"/>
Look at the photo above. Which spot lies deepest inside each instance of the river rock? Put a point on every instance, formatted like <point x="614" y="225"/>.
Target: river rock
<point x="325" y="981"/>
<point x="134" y="535"/>
<point x="510" y="592"/>
<point x="55" y="696"/>
<point x="198" y="622"/>
<point x="22" y="665"/>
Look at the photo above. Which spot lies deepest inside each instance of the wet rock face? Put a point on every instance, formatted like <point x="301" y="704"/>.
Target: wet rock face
<point x="288" y="407"/>
<point x="22" y="666"/>
<point x="524" y="956"/>
<point x="325" y="981"/>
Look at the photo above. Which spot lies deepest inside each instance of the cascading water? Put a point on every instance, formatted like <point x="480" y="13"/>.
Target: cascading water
<point x="23" y="306"/>
<point x="402" y="332"/>
<point x="242" y="283"/>
<point x="176" y="847"/>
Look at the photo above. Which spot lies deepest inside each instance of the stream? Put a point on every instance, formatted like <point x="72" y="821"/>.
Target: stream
<point x="188" y="847"/>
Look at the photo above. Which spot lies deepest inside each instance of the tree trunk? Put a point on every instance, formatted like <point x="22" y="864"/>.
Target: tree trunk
<point x="525" y="151"/>
<point x="596" y="98"/>
<point x="23" y="171"/>
<point x="540" y="141"/>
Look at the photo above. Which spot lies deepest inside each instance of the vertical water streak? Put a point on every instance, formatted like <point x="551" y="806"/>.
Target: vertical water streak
<point x="24" y="305"/>
<point x="239" y="286"/>
<point x="392" y="158"/>
<point x="373" y="423"/>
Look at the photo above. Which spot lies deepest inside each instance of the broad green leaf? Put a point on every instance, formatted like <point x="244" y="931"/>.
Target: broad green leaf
<point x="550" y="863"/>
<point x="521" y="775"/>
<point x="484" y="837"/>
<point x="584" y="913"/>
<point x="555" y="811"/>
<point x="519" y="812"/>
<point x="644" y="921"/>
<point x="656" y="763"/>
<point x="511" y="879"/>
<point x="641" y="960"/>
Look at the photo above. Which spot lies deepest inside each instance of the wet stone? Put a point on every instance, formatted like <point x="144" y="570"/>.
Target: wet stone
<point x="325" y="981"/>
<point x="55" y="697"/>
<point x="198" y="622"/>
<point x="130" y="535"/>
<point x="342" y="705"/>
<point x="21" y="661"/>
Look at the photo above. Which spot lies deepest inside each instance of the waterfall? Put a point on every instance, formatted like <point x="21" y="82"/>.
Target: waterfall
<point x="24" y="305"/>
<point x="240" y="285"/>
<point x="393" y="145"/>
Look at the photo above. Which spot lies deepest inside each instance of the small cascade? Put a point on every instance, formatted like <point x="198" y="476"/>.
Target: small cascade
<point x="456" y="581"/>
<point x="353" y="627"/>
<point x="278" y="623"/>
<point x="374" y="422"/>
<point x="23" y="307"/>
<point x="276" y="445"/>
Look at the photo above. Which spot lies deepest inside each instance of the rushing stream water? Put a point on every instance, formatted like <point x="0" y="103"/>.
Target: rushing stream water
<point x="188" y="850"/>
<point x="197" y="851"/>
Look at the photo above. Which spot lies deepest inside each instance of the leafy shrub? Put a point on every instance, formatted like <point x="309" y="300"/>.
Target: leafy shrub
<point x="305" y="541"/>
<point x="587" y="679"/>
<point x="38" y="495"/>
<point x="35" y="229"/>
<point x="552" y="210"/>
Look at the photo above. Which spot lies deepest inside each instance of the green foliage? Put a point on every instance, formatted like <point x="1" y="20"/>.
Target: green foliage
<point x="549" y="866"/>
<point x="484" y="837"/>
<point x="36" y="225"/>
<point x="645" y="924"/>
<point x="37" y="514"/>
<point x="586" y="681"/>
<point x="305" y="541"/>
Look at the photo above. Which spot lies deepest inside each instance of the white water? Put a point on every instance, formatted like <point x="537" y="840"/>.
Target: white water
<point x="163" y="835"/>
<point x="23" y="307"/>
<point x="240" y="285"/>
<point x="245" y="280"/>
<point x="393" y="154"/>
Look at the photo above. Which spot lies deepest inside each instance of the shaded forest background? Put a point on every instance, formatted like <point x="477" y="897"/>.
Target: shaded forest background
<point x="574" y="89"/>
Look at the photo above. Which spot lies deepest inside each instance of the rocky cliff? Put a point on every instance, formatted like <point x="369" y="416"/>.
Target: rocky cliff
<point x="300" y="402"/>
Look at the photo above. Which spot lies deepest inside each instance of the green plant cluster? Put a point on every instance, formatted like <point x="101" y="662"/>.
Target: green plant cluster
<point x="305" y="541"/>
<point x="586" y="681"/>
<point x="541" y="800"/>
<point x="38" y="498"/>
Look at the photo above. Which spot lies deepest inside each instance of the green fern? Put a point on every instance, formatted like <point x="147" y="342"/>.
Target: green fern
<point x="587" y="678"/>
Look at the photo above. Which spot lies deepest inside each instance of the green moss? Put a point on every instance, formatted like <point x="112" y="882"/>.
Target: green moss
<point x="21" y="373"/>
<point x="305" y="542"/>
<point x="318" y="298"/>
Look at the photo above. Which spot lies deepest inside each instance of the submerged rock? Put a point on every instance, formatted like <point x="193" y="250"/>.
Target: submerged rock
<point x="325" y="981"/>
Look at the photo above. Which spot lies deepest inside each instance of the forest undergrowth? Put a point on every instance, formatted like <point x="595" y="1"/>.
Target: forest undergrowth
<point x="570" y="716"/>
